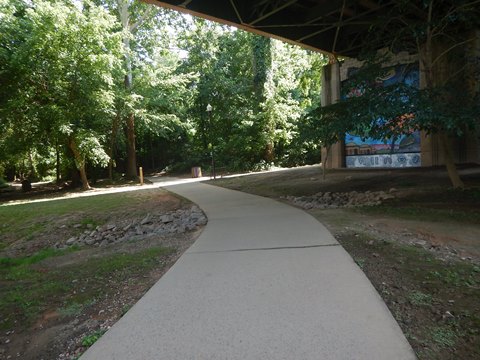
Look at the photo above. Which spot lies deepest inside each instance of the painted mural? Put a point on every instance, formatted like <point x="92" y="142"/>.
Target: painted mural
<point x="401" y="151"/>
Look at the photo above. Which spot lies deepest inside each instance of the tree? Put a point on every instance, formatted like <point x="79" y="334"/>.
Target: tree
<point x="258" y="88"/>
<point x="385" y="112"/>
<point x="61" y="60"/>
<point x="440" y="33"/>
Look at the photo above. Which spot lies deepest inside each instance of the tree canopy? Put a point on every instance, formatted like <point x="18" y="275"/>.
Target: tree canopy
<point x="86" y="84"/>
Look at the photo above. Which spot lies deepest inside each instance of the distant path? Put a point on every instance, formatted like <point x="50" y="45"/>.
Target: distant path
<point x="263" y="281"/>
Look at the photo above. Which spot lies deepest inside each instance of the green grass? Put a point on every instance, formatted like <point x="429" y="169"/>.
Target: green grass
<point x="71" y="310"/>
<point x="29" y="289"/>
<point x="419" y="290"/>
<point x="450" y="205"/>
<point x="92" y="338"/>
<point x="443" y="336"/>
<point x="7" y="262"/>
<point x="92" y="222"/>
<point x="30" y="219"/>
<point x="360" y="262"/>
<point x="422" y="213"/>
<point x="419" y="298"/>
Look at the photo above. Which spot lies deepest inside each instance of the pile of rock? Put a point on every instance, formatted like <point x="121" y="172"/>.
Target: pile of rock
<point x="174" y="222"/>
<point x="329" y="200"/>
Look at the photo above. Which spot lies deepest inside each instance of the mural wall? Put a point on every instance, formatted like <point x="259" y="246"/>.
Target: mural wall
<point x="401" y="151"/>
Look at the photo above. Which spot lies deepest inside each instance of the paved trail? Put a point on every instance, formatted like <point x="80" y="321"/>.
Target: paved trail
<point x="263" y="281"/>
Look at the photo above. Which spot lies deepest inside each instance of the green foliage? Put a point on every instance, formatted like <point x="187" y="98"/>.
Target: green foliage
<point x="444" y="336"/>
<point x="71" y="310"/>
<point x="3" y="183"/>
<point x="72" y="73"/>
<point x="258" y="90"/>
<point x="92" y="338"/>
<point x="60" y="62"/>
<point x="372" y="110"/>
<point x="419" y="298"/>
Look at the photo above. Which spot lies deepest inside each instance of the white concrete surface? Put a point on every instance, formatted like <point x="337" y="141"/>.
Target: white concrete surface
<point x="263" y="281"/>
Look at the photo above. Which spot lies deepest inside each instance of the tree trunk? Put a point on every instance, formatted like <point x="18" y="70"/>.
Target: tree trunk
<point x="112" y="150"/>
<point x="324" y="162"/>
<point x="124" y="13"/>
<point x="436" y="75"/>
<point x="80" y="163"/>
<point x="457" y="183"/>
<point x="57" y="167"/>
<point x="270" y="152"/>
<point x="131" y="154"/>
<point x="33" y="170"/>
<point x="152" y="154"/>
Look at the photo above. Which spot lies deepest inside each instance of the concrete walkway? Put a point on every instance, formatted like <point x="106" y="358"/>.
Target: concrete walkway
<point x="263" y="281"/>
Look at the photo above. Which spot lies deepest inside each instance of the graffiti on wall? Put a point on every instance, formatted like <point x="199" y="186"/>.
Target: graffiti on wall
<point x="400" y="151"/>
<point x="389" y="160"/>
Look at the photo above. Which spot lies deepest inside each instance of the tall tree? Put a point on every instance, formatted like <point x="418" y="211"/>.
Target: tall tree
<point x="441" y="33"/>
<point x="62" y="64"/>
<point x="264" y="90"/>
<point x="132" y="16"/>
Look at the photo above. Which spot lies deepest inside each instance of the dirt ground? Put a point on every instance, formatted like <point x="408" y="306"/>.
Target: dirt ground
<point x="64" y="302"/>
<point x="421" y="249"/>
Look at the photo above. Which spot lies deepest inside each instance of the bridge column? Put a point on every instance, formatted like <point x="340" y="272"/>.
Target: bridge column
<point x="330" y="95"/>
<point x="466" y="149"/>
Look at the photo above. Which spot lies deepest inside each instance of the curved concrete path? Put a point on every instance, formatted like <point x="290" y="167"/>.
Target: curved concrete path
<point x="263" y="281"/>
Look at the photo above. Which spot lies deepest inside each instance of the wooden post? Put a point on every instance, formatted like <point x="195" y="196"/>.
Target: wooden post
<point x="140" y="170"/>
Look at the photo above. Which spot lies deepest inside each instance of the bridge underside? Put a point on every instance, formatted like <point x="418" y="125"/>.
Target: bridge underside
<point x="343" y="28"/>
<point x="332" y="26"/>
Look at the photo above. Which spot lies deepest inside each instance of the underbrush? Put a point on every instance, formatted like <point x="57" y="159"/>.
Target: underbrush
<point x="30" y="286"/>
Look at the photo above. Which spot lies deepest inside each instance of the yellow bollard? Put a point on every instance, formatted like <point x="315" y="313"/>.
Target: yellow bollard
<point x="141" y="175"/>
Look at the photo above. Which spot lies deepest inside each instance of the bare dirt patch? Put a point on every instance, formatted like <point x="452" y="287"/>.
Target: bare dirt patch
<point x="420" y="248"/>
<point x="57" y="299"/>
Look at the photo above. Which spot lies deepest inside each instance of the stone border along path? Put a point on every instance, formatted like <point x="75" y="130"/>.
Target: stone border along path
<point x="153" y="224"/>
<point x="263" y="281"/>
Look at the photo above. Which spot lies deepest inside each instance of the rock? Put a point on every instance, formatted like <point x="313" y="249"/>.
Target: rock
<point x="166" y="218"/>
<point x="92" y="233"/>
<point x="110" y="238"/>
<point x="104" y="243"/>
<point x="190" y="227"/>
<point x="76" y="226"/>
<point x="146" y="220"/>
<point x="90" y="241"/>
<point x="148" y="228"/>
<point x="71" y="241"/>
<point x="89" y="226"/>
<point x="125" y="228"/>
